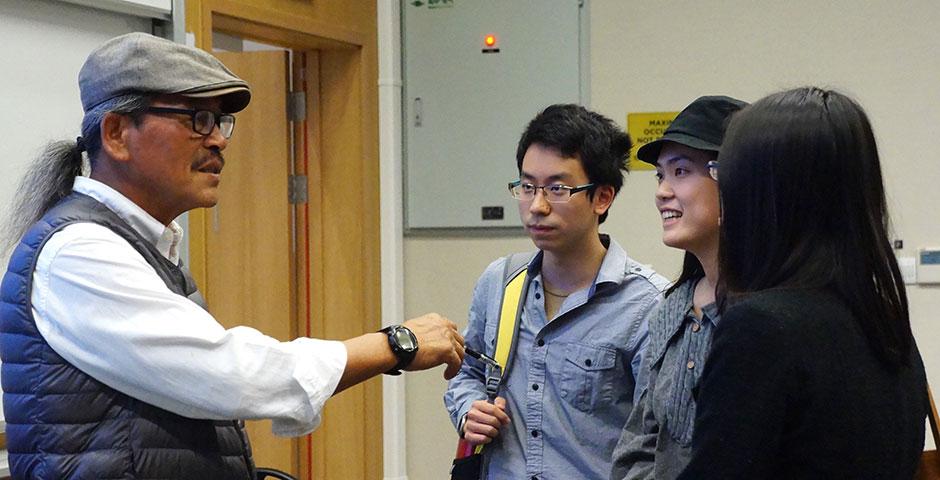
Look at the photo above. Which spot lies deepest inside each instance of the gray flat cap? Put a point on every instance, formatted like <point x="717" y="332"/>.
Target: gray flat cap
<point x="142" y="63"/>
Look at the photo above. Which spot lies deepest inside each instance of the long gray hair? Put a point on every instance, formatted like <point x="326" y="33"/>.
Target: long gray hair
<point x="49" y="179"/>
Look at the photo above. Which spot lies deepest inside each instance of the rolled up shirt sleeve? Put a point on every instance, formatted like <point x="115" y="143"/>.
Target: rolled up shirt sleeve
<point x="104" y="309"/>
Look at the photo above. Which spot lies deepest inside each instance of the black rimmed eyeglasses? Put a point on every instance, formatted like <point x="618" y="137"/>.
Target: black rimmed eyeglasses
<point x="203" y="120"/>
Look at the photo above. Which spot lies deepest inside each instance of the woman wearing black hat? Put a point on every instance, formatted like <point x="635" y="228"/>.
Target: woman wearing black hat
<point x="814" y="372"/>
<point x="656" y="441"/>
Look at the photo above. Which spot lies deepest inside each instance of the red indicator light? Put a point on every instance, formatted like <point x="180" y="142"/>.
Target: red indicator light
<point x="489" y="40"/>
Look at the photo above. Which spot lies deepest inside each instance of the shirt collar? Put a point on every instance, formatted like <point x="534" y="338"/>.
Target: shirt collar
<point x="710" y="312"/>
<point x="613" y="267"/>
<point x="682" y="298"/>
<point x="167" y="239"/>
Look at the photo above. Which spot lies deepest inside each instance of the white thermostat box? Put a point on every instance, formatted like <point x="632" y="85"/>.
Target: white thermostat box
<point x="928" y="265"/>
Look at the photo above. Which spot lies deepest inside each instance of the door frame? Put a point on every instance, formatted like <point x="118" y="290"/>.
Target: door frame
<point x="348" y="156"/>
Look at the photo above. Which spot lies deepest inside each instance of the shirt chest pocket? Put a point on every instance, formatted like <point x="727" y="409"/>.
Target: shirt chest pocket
<point x="587" y="375"/>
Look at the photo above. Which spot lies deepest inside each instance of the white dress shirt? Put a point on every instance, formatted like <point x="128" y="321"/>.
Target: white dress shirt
<point x="103" y="308"/>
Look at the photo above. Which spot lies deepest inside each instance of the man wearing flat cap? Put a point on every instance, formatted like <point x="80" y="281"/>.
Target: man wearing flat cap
<point x="111" y="366"/>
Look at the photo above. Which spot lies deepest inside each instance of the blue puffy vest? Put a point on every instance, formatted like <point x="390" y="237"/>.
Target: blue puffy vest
<point x="63" y="424"/>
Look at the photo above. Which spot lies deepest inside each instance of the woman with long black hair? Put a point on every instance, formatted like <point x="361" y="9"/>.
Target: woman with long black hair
<point x="813" y="371"/>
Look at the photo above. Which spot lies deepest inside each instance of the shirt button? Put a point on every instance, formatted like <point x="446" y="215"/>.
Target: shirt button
<point x="588" y="362"/>
<point x="538" y="296"/>
<point x="696" y="327"/>
<point x="534" y="477"/>
<point x="541" y="342"/>
<point x="535" y="433"/>
<point x="690" y="365"/>
<point x="535" y="386"/>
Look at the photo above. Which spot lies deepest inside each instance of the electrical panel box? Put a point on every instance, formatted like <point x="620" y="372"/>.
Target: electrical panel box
<point x="475" y="72"/>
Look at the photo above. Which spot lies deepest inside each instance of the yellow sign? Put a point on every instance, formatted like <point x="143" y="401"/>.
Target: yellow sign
<point x="644" y="128"/>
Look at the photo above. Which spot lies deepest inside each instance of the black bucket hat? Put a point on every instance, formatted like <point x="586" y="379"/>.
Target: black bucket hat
<point x="701" y="125"/>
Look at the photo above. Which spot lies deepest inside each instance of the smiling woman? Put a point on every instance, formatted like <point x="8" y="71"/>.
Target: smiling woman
<point x="687" y="199"/>
<point x="656" y="441"/>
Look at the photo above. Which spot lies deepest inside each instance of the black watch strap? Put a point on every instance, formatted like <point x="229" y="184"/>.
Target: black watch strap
<point x="404" y="345"/>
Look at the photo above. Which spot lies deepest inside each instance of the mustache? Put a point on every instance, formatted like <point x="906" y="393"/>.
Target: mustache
<point x="214" y="154"/>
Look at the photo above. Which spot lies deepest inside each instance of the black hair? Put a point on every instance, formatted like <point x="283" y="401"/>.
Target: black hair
<point x="803" y="206"/>
<point x="602" y="147"/>
<point x="691" y="269"/>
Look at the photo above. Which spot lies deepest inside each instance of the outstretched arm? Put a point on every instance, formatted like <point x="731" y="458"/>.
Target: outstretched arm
<point x="370" y="355"/>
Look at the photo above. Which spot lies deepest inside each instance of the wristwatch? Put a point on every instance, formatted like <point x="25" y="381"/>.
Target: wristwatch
<point x="404" y="345"/>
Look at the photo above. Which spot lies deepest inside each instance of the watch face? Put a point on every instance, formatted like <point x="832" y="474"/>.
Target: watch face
<point x="405" y="339"/>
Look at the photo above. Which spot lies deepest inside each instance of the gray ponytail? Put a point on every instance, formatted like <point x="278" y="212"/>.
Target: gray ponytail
<point x="49" y="179"/>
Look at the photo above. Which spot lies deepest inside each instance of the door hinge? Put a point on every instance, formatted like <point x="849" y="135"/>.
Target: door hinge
<point x="297" y="189"/>
<point x="297" y="106"/>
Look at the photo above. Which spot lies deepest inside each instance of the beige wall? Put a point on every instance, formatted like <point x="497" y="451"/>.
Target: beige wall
<point x="658" y="56"/>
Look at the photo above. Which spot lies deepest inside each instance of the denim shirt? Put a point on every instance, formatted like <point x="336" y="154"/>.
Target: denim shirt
<point x="656" y="442"/>
<point x="572" y="381"/>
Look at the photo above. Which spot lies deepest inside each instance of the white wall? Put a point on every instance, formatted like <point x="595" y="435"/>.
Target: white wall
<point x="658" y="56"/>
<point x="42" y="46"/>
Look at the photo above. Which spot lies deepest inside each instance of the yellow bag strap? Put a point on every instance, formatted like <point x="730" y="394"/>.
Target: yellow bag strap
<point x="509" y="313"/>
<point x="508" y="316"/>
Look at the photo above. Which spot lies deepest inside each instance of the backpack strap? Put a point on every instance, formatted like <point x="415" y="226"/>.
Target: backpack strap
<point x="515" y="286"/>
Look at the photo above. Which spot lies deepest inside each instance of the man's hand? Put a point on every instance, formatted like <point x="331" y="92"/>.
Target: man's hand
<point x="484" y="421"/>
<point x="438" y="342"/>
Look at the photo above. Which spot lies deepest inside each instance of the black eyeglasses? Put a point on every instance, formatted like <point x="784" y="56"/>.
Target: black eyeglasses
<point x="203" y="120"/>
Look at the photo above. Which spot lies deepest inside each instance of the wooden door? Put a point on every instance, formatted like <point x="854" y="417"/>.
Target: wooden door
<point x="337" y="262"/>
<point x="249" y="237"/>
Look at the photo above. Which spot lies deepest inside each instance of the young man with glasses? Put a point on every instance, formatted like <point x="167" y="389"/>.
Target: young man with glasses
<point x="111" y="366"/>
<point x="574" y="368"/>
